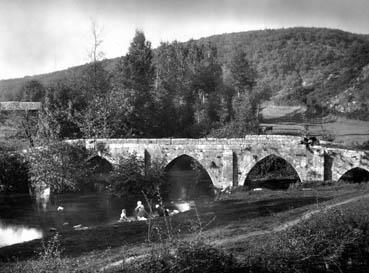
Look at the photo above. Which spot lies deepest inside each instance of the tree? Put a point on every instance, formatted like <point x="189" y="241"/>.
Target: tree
<point x="95" y="84"/>
<point x="173" y="90"/>
<point x="33" y="90"/>
<point x="207" y="85"/>
<point x="58" y="165"/>
<point x="262" y="92"/>
<point x="136" y="76"/>
<point x="96" y="32"/>
<point x="133" y="177"/>
<point x="59" y="116"/>
<point x="242" y="78"/>
<point x="242" y="73"/>
<point x="189" y="88"/>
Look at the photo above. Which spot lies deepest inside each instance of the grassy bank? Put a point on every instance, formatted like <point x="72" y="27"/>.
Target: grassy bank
<point x="223" y="223"/>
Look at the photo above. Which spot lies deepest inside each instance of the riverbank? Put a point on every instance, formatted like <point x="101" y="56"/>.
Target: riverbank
<point x="224" y="222"/>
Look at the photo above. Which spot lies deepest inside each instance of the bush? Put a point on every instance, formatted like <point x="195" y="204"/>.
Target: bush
<point x="48" y="260"/>
<point x="59" y="165"/>
<point x="13" y="172"/>
<point x="132" y="176"/>
<point x="188" y="257"/>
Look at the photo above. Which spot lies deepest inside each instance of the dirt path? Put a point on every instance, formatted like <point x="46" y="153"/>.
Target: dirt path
<point x="226" y="241"/>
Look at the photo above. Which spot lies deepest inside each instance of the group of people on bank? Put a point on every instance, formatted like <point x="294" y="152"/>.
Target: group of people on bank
<point x="140" y="214"/>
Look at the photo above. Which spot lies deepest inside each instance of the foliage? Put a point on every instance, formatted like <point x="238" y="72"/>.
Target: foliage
<point x="59" y="165"/>
<point x="135" y="80"/>
<point x="51" y="249"/>
<point x="13" y="172"/>
<point x="188" y="257"/>
<point x="214" y="85"/>
<point x="48" y="259"/>
<point x="33" y="90"/>
<point x="132" y="176"/>
<point x="243" y="72"/>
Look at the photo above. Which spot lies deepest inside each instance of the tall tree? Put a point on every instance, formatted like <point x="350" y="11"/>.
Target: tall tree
<point x="136" y="80"/>
<point x="95" y="85"/>
<point x="174" y="91"/>
<point x="245" y="105"/>
<point x="243" y="73"/>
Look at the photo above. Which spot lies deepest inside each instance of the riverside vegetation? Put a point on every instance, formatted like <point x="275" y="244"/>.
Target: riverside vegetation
<point x="199" y="88"/>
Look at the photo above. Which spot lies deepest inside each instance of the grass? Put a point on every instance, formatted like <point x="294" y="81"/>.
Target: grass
<point x="224" y="223"/>
<point x="348" y="132"/>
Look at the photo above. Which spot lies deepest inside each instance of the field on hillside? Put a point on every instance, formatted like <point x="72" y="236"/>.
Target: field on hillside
<point x="290" y="120"/>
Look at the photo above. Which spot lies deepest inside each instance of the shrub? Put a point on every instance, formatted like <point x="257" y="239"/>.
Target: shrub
<point x="59" y="165"/>
<point x="48" y="260"/>
<point x="132" y="176"/>
<point x="188" y="257"/>
<point x="13" y="172"/>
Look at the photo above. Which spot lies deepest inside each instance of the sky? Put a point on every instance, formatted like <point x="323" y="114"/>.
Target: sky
<point x="40" y="36"/>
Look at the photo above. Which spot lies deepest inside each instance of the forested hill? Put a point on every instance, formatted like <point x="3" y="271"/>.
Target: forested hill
<point x="306" y="64"/>
<point x="301" y="65"/>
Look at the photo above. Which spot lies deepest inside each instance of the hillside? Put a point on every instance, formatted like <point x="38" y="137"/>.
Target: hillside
<point x="10" y="89"/>
<point x="313" y="72"/>
<point x="300" y="64"/>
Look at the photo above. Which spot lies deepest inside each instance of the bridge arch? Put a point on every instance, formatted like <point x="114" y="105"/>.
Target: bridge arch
<point x="99" y="164"/>
<point x="276" y="160"/>
<point x="199" y="157"/>
<point x="187" y="178"/>
<point x="355" y="175"/>
<point x="100" y="168"/>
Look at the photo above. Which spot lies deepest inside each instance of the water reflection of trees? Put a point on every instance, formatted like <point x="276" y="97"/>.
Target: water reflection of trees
<point x="271" y="172"/>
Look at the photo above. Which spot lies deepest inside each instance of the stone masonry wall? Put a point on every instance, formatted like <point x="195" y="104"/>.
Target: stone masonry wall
<point x="228" y="161"/>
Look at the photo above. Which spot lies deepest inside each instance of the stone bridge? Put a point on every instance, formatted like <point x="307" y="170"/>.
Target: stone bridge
<point x="228" y="161"/>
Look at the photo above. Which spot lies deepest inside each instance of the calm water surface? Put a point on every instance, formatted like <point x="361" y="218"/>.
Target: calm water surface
<point x="23" y="219"/>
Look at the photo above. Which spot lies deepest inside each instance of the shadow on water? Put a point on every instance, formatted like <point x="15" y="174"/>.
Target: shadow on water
<point x="271" y="184"/>
<point x="271" y="172"/>
<point x="115" y="235"/>
<point x="188" y="180"/>
<point x="22" y="217"/>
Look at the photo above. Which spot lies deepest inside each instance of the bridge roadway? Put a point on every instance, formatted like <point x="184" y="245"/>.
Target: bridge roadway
<point x="228" y="161"/>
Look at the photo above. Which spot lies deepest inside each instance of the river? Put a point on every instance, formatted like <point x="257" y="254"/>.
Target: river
<point x="23" y="219"/>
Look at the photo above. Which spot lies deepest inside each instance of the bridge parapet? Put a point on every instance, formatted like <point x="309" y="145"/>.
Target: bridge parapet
<point x="198" y="141"/>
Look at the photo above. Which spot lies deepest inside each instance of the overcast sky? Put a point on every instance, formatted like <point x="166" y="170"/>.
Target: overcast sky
<point x="38" y="36"/>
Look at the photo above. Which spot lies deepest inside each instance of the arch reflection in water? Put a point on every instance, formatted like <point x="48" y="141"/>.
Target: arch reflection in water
<point x="10" y="235"/>
<point x="355" y="175"/>
<point x="188" y="180"/>
<point x="271" y="172"/>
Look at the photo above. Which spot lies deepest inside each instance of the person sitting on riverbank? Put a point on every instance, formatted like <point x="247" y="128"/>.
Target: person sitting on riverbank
<point x="161" y="210"/>
<point x="123" y="216"/>
<point x="141" y="214"/>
